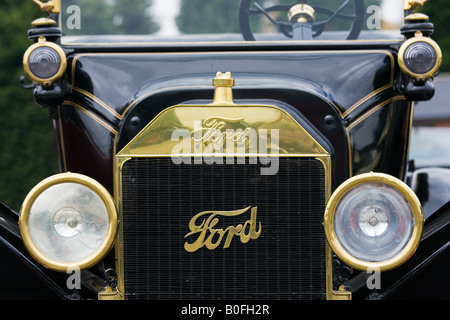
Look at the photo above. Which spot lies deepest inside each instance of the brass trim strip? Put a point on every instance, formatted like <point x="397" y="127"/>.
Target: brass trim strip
<point x="331" y="294"/>
<point x="371" y="95"/>
<point x="377" y="91"/>
<point x="374" y="109"/>
<point x="223" y="155"/>
<point x="98" y="101"/>
<point x="91" y="115"/>
<point x="118" y="164"/>
<point x="133" y="103"/>
<point x="61" y="141"/>
<point x="256" y="114"/>
<point x="88" y="94"/>
<point x="359" y="120"/>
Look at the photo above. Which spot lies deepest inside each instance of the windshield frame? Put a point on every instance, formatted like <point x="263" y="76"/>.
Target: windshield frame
<point x="372" y="38"/>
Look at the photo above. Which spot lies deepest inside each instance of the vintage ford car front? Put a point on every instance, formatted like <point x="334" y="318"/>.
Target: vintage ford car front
<point x="270" y="163"/>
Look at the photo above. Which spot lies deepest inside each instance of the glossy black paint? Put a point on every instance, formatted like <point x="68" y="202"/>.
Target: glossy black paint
<point x="324" y="90"/>
<point x="425" y="275"/>
<point x="25" y="278"/>
<point x="349" y="97"/>
<point x="431" y="186"/>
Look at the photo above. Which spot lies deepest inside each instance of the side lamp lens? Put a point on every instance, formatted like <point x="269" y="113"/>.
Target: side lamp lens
<point x="68" y="220"/>
<point x="44" y="62"/>
<point x="420" y="57"/>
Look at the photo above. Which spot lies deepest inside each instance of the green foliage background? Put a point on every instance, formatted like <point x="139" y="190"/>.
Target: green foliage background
<point x="439" y="13"/>
<point x="28" y="152"/>
<point x="97" y="17"/>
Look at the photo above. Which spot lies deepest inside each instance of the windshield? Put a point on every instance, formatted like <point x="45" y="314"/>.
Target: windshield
<point x="234" y="20"/>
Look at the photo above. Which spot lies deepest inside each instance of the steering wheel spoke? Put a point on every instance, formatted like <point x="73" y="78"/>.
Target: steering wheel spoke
<point x="329" y="12"/>
<point x="250" y="8"/>
<point x="278" y="7"/>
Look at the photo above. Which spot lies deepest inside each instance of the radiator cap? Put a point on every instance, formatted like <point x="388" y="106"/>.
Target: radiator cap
<point x="223" y="94"/>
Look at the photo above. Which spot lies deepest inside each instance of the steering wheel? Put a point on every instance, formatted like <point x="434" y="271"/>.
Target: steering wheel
<point x="249" y="8"/>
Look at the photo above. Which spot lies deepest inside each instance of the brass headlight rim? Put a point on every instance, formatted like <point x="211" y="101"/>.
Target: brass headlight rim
<point x="419" y="38"/>
<point x="409" y="248"/>
<point x="93" y="185"/>
<point x="42" y="42"/>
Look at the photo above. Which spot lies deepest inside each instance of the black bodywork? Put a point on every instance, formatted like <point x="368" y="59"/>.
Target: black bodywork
<point x="350" y="96"/>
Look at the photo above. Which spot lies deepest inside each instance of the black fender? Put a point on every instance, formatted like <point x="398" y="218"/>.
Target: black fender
<point x="9" y="221"/>
<point x="432" y="187"/>
<point x="424" y="276"/>
<point x="20" y="276"/>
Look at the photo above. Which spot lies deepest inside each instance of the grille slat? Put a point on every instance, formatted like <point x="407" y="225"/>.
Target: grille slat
<point x="287" y="261"/>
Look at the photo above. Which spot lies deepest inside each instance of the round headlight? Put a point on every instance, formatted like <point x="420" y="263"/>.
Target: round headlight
<point x="420" y="57"/>
<point x="373" y="220"/>
<point x="68" y="220"/>
<point x="44" y="62"/>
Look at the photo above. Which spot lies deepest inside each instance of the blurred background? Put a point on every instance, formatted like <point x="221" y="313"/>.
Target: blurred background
<point x="28" y="151"/>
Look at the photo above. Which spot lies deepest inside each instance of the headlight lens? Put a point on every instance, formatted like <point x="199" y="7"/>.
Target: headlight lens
<point x="44" y="62"/>
<point x="68" y="220"/>
<point x="420" y="57"/>
<point x="373" y="220"/>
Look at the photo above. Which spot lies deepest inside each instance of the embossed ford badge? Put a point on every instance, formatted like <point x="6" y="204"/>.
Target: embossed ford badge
<point x="206" y="232"/>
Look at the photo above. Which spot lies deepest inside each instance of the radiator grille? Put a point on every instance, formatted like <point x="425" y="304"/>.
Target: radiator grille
<point x="287" y="261"/>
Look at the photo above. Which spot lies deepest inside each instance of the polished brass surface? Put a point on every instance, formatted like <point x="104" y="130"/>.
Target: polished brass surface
<point x="416" y="17"/>
<point x="43" y="22"/>
<point x="205" y="232"/>
<point x="185" y="131"/>
<point x="413" y="4"/>
<point x="419" y="37"/>
<point x="411" y="198"/>
<point x="301" y="13"/>
<point x="42" y="42"/>
<point x="68" y="178"/>
<point x="119" y="238"/>
<point x="341" y="293"/>
<point x="52" y="6"/>
<point x="92" y="115"/>
<point x="110" y="294"/>
<point x="223" y="93"/>
<point x="199" y="129"/>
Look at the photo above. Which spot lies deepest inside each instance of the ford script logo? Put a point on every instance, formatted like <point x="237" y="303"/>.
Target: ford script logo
<point x="211" y="237"/>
